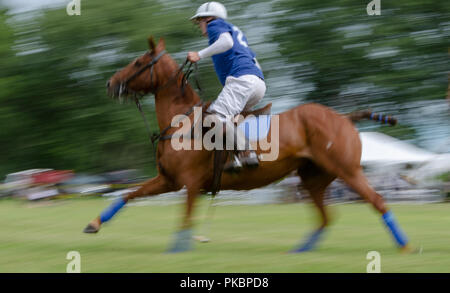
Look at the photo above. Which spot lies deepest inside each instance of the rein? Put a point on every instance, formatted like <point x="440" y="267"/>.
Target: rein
<point x="123" y="87"/>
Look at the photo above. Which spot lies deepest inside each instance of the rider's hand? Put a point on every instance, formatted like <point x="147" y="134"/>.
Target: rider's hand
<point x="193" y="57"/>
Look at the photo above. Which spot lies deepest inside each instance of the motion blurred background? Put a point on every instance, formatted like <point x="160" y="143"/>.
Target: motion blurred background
<point x="54" y="108"/>
<point x="54" y="112"/>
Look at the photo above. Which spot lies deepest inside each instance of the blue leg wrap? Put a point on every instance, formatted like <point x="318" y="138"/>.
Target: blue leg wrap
<point x="110" y="211"/>
<point x="183" y="241"/>
<point x="389" y="221"/>
<point x="311" y="242"/>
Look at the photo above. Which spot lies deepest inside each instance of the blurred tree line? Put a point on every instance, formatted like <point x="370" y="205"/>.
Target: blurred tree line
<point x="356" y="61"/>
<point x="54" y="110"/>
<point x="399" y="55"/>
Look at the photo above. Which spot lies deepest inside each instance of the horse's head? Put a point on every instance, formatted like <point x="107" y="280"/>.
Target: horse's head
<point x="138" y="77"/>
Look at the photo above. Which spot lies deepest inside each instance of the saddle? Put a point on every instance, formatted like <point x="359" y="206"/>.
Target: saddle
<point x="222" y="156"/>
<point x="260" y="111"/>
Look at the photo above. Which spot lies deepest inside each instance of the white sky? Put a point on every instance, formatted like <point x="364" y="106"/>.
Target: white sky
<point x="27" y="5"/>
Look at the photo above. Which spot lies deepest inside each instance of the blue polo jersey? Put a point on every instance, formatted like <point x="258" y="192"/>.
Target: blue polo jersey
<point x="237" y="61"/>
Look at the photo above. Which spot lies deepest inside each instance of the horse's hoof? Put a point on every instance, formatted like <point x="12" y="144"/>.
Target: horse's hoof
<point x="300" y="250"/>
<point x="180" y="246"/>
<point x="183" y="242"/>
<point x="310" y="243"/>
<point x="90" y="229"/>
<point x="201" y="239"/>
<point x="178" y="249"/>
<point x="407" y="249"/>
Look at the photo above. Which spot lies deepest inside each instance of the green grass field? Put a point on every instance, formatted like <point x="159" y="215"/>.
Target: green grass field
<point x="37" y="238"/>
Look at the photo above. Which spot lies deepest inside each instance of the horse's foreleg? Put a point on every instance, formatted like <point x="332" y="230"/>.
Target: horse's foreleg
<point x="153" y="186"/>
<point x="315" y="181"/>
<point x="183" y="238"/>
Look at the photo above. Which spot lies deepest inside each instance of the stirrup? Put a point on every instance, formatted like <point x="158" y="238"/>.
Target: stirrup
<point x="251" y="161"/>
<point x="239" y="161"/>
<point x="235" y="166"/>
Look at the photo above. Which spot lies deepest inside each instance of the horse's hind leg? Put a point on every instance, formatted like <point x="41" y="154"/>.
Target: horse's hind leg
<point x="153" y="186"/>
<point x="315" y="180"/>
<point x="358" y="182"/>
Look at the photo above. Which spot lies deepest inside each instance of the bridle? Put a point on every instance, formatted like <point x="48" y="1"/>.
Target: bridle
<point x="124" y="85"/>
<point x="124" y="88"/>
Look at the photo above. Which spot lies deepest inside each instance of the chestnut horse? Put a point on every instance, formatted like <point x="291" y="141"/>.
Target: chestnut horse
<point x="318" y="143"/>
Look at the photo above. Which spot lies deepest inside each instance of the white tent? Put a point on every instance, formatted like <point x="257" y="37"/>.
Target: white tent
<point x="382" y="150"/>
<point x="378" y="148"/>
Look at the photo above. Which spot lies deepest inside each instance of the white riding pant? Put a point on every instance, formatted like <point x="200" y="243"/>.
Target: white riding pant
<point x="238" y="94"/>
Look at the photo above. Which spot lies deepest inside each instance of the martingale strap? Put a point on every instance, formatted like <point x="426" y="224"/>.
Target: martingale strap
<point x="150" y="136"/>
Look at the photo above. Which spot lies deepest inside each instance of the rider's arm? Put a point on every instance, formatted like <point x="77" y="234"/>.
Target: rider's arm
<point x="257" y="64"/>
<point x="222" y="44"/>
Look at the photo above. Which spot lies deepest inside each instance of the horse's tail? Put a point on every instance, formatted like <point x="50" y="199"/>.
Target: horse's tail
<point x="367" y="114"/>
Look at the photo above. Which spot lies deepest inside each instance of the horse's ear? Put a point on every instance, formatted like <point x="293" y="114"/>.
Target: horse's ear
<point x="162" y="43"/>
<point x="151" y="43"/>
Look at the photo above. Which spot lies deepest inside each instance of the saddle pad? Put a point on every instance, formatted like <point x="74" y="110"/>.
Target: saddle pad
<point x="255" y="127"/>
